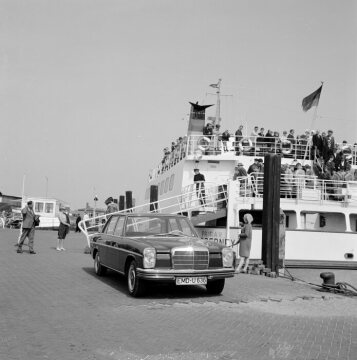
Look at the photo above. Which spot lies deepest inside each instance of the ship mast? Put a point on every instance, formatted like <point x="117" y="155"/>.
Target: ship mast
<point x="217" y="120"/>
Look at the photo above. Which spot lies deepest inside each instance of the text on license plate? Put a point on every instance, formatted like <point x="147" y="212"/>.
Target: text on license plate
<point x="191" y="280"/>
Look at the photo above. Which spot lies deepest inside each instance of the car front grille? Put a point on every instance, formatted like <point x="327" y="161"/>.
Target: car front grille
<point x="190" y="258"/>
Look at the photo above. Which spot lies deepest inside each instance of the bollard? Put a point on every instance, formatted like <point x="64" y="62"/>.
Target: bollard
<point x="154" y="196"/>
<point x="121" y="202"/>
<point x="328" y="278"/>
<point x="129" y="199"/>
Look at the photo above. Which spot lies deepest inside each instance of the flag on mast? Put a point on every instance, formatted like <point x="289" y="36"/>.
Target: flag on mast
<point x="214" y="85"/>
<point x="311" y="100"/>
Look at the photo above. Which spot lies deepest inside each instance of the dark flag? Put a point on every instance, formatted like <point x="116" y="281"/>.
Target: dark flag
<point x="311" y="100"/>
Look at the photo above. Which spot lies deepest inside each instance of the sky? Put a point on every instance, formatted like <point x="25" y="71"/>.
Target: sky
<point x="91" y="91"/>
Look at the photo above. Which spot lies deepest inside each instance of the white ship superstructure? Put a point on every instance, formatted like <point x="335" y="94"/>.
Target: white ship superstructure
<point x="321" y="215"/>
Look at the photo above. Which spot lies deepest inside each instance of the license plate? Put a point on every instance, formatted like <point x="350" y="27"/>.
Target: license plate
<point x="202" y="280"/>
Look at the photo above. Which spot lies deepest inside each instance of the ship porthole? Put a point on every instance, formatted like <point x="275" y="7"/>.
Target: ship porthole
<point x="349" y="256"/>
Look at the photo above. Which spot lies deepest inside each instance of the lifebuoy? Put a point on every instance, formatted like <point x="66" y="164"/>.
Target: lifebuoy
<point x="346" y="150"/>
<point x="203" y="143"/>
<point x="245" y="144"/>
<point x="285" y="150"/>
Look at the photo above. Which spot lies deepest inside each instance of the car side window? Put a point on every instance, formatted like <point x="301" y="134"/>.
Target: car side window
<point x="120" y="225"/>
<point x="173" y="225"/>
<point x="109" y="229"/>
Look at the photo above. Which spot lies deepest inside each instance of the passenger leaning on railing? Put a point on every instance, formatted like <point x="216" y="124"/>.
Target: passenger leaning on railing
<point x="299" y="177"/>
<point x="286" y="182"/>
<point x="238" y="139"/>
<point x="239" y="171"/>
<point x="225" y="138"/>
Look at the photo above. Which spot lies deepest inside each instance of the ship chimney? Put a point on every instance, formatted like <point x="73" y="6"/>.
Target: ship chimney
<point x="197" y="118"/>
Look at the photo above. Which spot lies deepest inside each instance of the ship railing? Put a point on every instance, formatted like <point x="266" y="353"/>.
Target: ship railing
<point x="194" y="199"/>
<point x="200" y="145"/>
<point x="307" y="188"/>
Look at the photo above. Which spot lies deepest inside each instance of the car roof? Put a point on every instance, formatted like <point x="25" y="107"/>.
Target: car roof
<point x="152" y="215"/>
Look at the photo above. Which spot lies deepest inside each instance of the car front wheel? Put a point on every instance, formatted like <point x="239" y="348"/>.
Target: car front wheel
<point x="136" y="286"/>
<point x="99" y="269"/>
<point x="215" y="287"/>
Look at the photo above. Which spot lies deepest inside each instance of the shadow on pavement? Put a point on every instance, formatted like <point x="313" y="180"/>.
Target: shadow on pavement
<point x="155" y="291"/>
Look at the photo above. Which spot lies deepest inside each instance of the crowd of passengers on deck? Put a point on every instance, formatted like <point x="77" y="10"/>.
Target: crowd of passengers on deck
<point x="295" y="177"/>
<point x="173" y="154"/>
<point x="305" y="146"/>
<point x="313" y="144"/>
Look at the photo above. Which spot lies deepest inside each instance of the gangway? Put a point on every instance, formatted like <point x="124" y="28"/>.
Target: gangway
<point x="200" y="206"/>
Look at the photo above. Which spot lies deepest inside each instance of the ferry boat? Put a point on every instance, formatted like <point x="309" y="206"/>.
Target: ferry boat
<point x="320" y="214"/>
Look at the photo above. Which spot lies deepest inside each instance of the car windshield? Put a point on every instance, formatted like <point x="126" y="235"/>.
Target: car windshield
<point x="158" y="226"/>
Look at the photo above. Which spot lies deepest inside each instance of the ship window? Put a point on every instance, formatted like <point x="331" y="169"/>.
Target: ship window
<point x="167" y="184"/>
<point x="49" y="208"/>
<point x="172" y="180"/>
<point x="39" y="206"/>
<point x="353" y="222"/>
<point x="323" y="221"/>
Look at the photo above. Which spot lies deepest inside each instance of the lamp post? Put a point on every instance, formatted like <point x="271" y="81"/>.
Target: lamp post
<point x="95" y="204"/>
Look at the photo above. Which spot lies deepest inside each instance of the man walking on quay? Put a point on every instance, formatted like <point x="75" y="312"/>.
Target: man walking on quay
<point x="28" y="227"/>
<point x="111" y="205"/>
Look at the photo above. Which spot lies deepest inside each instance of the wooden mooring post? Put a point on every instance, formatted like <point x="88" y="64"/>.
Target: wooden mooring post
<point x="129" y="199"/>
<point x="121" y="202"/>
<point x="154" y="196"/>
<point x="271" y="212"/>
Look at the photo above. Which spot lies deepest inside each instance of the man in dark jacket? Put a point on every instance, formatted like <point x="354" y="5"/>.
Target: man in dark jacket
<point x="317" y="143"/>
<point x="328" y="145"/>
<point x="28" y="227"/>
<point x="199" y="180"/>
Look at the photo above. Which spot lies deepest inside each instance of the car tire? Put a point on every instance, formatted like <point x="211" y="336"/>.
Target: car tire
<point x="215" y="287"/>
<point x="136" y="286"/>
<point x="99" y="269"/>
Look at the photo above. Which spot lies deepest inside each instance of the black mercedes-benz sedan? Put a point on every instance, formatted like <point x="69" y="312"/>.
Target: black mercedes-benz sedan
<point x="160" y="247"/>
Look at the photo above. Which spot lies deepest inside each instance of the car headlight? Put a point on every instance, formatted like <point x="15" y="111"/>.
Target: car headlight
<point x="149" y="258"/>
<point x="227" y="257"/>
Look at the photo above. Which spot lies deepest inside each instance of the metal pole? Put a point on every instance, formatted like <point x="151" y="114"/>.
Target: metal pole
<point x="23" y="186"/>
<point x="218" y="106"/>
<point x="46" y="186"/>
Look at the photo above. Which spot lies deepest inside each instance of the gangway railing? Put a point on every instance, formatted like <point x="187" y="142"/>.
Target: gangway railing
<point x="198" y="198"/>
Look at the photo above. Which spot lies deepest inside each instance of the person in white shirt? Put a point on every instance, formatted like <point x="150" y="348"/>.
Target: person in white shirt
<point x="63" y="229"/>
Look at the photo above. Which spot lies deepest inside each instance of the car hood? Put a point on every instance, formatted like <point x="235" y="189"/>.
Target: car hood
<point x="164" y="244"/>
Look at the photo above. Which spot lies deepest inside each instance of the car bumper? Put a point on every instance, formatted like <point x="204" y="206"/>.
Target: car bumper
<point x="172" y="274"/>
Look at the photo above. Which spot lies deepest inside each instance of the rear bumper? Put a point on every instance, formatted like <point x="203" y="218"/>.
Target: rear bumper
<point x="171" y="274"/>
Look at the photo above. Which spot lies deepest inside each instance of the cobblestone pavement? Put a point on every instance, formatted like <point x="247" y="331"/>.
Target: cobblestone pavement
<point x="53" y="306"/>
